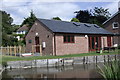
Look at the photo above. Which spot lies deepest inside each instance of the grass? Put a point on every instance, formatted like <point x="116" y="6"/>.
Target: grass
<point x="13" y="58"/>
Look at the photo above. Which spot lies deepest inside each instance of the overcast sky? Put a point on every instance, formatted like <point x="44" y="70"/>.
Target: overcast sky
<point x="20" y="9"/>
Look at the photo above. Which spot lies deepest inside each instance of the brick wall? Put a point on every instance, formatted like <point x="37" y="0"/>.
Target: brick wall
<point x="108" y="26"/>
<point x="44" y="36"/>
<point x="56" y="46"/>
<point x="80" y="45"/>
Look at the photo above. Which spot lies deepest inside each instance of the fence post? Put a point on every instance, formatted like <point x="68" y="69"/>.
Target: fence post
<point x="20" y="50"/>
<point x="4" y="49"/>
<point x="14" y="50"/>
<point x="10" y="51"/>
<point x="40" y="50"/>
<point x="23" y="49"/>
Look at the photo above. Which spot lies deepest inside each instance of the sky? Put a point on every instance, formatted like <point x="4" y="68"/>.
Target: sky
<point x="47" y="9"/>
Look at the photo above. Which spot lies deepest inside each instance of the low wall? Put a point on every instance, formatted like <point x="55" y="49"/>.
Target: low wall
<point x="61" y="61"/>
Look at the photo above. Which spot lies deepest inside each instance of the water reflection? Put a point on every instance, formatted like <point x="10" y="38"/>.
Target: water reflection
<point x="75" y="71"/>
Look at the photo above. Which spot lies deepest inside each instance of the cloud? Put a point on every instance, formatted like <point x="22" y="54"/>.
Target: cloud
<point x="62" y="10"/>
<point x="113" y="7"/>
<point x="61" y="0"/>
<point x="65" y="10"/>
<point x="42" y="10"/>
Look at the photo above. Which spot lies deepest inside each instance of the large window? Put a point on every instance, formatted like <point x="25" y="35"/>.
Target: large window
<point x="69" y="39"/>
<point x="115" y="25"/>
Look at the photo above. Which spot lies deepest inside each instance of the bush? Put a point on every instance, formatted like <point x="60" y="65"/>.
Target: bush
<point x="4" y="64"/>
<point x="119" y="47"/>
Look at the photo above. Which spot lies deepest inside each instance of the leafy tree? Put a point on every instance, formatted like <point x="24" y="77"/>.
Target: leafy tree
<point x="95" y="16"/>
<point x="101" y="12"/>
<point x="56" y="18"/>
<point x="83" y="16"/>
<point x="74" y="20"/>
<point x="7" y="30"/>
<point x="30" y="20"/>
<point x="15" y="27"/>
<point x="6" y="22"/>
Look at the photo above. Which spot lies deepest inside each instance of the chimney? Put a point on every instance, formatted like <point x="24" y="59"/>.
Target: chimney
<point x="119" y="6"/>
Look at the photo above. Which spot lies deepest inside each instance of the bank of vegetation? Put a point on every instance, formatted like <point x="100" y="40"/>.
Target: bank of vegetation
<point x="111" y="71"/>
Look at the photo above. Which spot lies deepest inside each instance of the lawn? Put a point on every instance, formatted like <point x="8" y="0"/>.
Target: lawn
<point x="12" y="58"/>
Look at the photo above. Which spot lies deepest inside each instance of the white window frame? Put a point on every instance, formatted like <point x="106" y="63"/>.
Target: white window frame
<point x="115" y="23"/>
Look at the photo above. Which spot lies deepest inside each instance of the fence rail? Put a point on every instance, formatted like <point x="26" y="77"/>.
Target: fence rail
<point x="12" y="50"/>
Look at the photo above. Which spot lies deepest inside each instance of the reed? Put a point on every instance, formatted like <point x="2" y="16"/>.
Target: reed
<point x="111" y="71"/>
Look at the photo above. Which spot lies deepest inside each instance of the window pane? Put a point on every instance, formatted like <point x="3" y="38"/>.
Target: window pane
<point x="68" y="38"/>
<point x="93" y="43"/>
<point x="65" y="39"/>
<point x="115" y="25"/>
<point x="72" y="38"/>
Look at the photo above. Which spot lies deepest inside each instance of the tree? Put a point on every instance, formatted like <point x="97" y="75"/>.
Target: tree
<point x="101" y="15"/>
<point x="56" y="18"/>
<point x="83" y="16"/>
<point x="74" y="20"/>
<point x="15" y="27"/>
<point x="6" y="22"/>
<point x="95" y="16"/>
<point x="7" y="29"/>
<point x="101" y="12"/>
<point x="30" y="20"/>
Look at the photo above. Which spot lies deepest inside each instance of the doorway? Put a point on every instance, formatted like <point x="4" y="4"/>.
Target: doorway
<point x="37" y="43"/>
<point x="94" y="43"/>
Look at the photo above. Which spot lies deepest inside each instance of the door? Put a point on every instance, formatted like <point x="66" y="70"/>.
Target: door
<point x="37" y="43"/>
<point x="94" y="43"/>
<point x="109" y="41"/>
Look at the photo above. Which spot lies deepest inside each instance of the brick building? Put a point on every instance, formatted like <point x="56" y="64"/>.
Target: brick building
<point x="61" y="37"/>
<point x="113" y="25"/>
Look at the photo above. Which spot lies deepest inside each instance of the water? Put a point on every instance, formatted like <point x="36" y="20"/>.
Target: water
<point x="75" y="71"/>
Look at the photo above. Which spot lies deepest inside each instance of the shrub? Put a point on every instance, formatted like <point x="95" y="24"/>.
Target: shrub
<point x="119" y="47"/>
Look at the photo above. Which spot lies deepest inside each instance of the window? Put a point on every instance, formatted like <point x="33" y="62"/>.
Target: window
<point x="115" y="25"/>
<point x="30" y="41"/>
<point x="69" y="39"/>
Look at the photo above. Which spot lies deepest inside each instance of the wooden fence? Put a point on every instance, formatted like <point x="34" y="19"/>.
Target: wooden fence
<point x="12" y="50"/>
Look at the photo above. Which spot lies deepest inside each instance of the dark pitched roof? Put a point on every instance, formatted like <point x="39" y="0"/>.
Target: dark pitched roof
<point x="73" y="27"/>
<point x="111" y="17"/>
<point x="23" y="28"/>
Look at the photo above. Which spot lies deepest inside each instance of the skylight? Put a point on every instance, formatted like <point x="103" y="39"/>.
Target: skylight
<point x="96" y="26"/>
<point x="88" y="25"/>
<point x="76" y="24"/>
